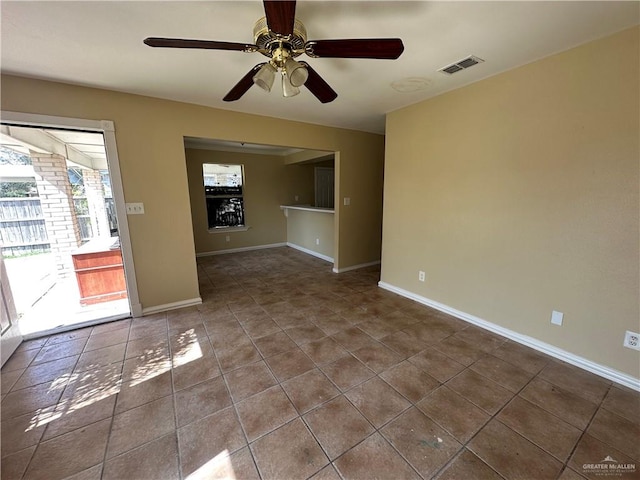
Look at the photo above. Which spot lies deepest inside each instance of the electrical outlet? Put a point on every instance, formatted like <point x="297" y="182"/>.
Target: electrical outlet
<point x="317" y="241"/>
<point x="297" y="198"/>
<point x="632" y="340"/>
<point x="421" y="276"/>
<point x="227" y="238"/>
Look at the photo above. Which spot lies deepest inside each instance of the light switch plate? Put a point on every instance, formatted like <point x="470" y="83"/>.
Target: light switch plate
<point x="135" y="208"/>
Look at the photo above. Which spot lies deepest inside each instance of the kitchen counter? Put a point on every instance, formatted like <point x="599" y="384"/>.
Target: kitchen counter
<point x="307" y="208"/>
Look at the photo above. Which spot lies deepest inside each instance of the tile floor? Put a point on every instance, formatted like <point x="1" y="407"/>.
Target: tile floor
<point x="288" y="371"/>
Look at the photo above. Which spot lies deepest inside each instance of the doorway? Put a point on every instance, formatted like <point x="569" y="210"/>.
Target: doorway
<point x="324" y="187"/>
<point x="63" y="224"/>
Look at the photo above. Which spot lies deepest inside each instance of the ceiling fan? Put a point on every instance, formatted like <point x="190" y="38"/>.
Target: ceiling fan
<point x="282" y="38"/>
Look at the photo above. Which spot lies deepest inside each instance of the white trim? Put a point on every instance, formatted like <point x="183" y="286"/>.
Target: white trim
<point x="10" y="344"/>
<point x="106" y="127"/>
<point x="593" y="367"/>
<point x="310" y="252"/>
<point x="307" y="208"/>
<point x="240" y="249"/>
<point x="238" y="147"/>
<point x="229" y="229"/>
<point x="355" y="267"/>
<point x="172" y="306"/>
<point x="123" y="221"/>
<point x="50" y="121"/>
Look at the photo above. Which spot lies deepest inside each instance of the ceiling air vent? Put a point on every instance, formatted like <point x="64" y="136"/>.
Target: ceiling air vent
<point x="470" y="61"/>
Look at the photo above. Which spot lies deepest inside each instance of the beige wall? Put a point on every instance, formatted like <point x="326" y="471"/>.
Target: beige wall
<point x="362" y="183"/>
<point x="307" y="156"/>
<point x="518" y="195"/>
<point x="149" y="135"/>
<point x="269" y="183"/>
<point x="305" y="227"/>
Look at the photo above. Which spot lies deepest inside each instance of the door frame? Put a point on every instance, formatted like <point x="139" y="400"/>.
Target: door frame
<point x="107" y="129"/>
<point x="10" y="338"/>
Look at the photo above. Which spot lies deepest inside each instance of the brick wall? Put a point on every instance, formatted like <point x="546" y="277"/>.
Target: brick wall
<point x="59" y="214"/>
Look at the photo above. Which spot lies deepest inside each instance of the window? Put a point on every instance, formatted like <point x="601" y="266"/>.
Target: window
<point x="223" y="191"/>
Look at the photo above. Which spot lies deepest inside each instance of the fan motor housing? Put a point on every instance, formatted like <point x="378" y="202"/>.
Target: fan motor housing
<point x="267" y="41"/>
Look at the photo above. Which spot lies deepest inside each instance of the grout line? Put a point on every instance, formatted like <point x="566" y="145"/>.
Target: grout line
<point x="584" y="432"/>
<point x="248" y="274"/>
<point x="55" y="405"/>
<point x="565" y="463"/>
<point x="115" y="404"/>
<point x="411" y="404"/>
<point x="173" y="398"/>
<point x="490" y="419"/>
<point x="233" y="406"/>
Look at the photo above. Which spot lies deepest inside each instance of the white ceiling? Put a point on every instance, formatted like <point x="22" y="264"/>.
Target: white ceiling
<point x="99" y="44"/>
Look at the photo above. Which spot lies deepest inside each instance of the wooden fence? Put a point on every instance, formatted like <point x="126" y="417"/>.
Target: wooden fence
<point x="22" y="228"/>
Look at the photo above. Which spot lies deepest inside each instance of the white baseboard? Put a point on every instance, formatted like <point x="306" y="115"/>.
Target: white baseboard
<point x="240" y="249"/>
<point x="596" y="368"/>
<point x="172" y="306"/>
<point x="355" y="267"/>
<point x="310" y="252"/>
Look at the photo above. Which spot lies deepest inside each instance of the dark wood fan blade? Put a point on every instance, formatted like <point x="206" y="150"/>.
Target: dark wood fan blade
<point x="206" y="44"/>
<point x="316" y="85"/>
<point x="382" y="48"/>
<point x="243" y="85"/>
<point x="280" y="15"/>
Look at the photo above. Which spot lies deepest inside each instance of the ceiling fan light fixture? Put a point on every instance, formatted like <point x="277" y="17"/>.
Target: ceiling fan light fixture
<point x="288" y="90"/>
<point x="265" y="77"/>
<point x="281" y="37"/>
<point x="296" y="72"/>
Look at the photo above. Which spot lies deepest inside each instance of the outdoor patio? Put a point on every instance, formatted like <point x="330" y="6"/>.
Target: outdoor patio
<point x="45" y="302"/>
